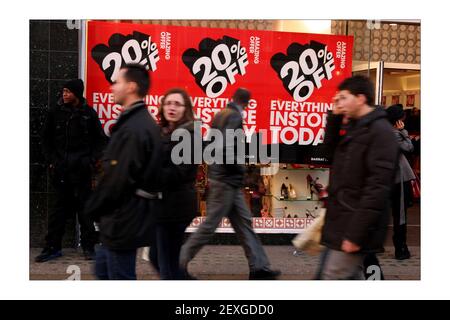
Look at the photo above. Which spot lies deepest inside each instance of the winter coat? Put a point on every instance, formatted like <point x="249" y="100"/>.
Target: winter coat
<point x="73" y="140"/>
<point x="232" y="174"/>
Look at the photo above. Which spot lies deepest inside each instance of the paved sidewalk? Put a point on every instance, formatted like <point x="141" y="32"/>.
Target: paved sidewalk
<point x="221" y="262"/>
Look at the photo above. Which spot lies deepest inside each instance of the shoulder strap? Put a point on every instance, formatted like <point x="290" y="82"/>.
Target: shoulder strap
<point x="222" y="118"/>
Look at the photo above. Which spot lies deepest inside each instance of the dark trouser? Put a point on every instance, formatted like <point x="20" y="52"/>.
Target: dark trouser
<point x="399" y="237"/>
<point x="165" y="250"/>
<point x="372" y="267"/>
<point x="227" y="201"/>
<point x="70" y="201"/>
<point x="114" y="264"/>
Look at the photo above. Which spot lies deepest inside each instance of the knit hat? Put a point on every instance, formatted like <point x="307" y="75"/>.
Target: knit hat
<point x="395" y="113"/>
<point x="76" y="86"/>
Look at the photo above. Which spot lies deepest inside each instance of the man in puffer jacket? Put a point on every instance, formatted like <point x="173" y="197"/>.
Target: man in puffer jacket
<point x="364" y="163"/>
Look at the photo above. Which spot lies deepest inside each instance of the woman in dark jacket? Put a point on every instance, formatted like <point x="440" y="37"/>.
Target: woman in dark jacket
<point x="402" y="193"/>
<point x="179" y="196"/>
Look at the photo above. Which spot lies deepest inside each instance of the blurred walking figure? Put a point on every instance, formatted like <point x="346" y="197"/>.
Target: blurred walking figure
<point x="226" y="199"/>
<point x="129" y="194"/>
<point x="402" y="192"/>
<point x="362" y="173"/>
<point x="180" y="199"/>
<point x="73" y="142"/>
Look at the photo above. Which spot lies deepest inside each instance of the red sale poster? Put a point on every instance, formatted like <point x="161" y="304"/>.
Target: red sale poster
<point x="292" y="76"/>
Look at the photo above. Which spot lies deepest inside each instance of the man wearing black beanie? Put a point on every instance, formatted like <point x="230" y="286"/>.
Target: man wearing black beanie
<point x="73" y="142"/>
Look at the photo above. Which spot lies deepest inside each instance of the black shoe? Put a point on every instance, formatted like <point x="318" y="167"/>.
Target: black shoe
<point x="48" y="254"/>
<point x="89" y="254"/>
<point x="265" y="274"/>
<point x="187" y="276"/>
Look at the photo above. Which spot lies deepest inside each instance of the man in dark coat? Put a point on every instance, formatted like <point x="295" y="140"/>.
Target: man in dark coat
<point x="129" y="194"/>
<point x="73" y="141"/>
<point x="364" y="163"/>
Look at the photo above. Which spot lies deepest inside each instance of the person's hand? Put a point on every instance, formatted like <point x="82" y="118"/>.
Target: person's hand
<point x="345" y="120"/>
<point x="399" y="125"/>
<point x="349" y="247"/>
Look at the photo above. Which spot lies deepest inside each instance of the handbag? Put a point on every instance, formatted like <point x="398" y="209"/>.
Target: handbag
<point x="292" y="193"/>
<point x="415" y="188"/>
<point x="309" y="240"/>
